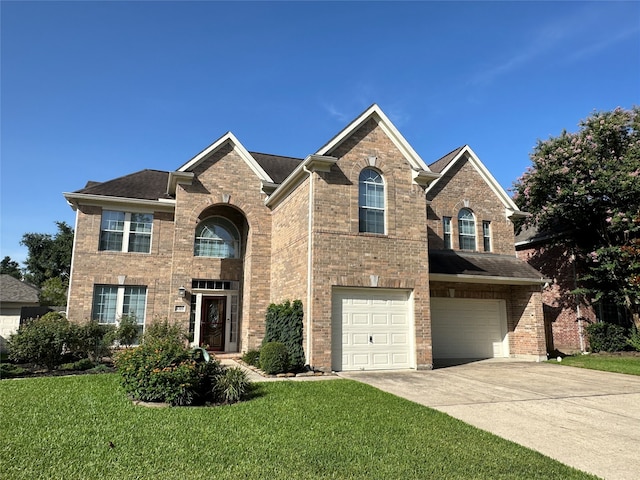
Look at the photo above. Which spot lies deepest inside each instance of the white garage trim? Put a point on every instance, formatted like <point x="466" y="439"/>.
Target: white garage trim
<point x="372" y="329"/>
<point x="468" y="328"/>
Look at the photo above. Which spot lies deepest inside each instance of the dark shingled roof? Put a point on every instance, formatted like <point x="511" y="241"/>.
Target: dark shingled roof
<point x="276" y="166"/>
<point x="441" y="163"/>
<point x="13" y="290"/>
<point x="451" y="262"/>
<point x="145" y="185"/>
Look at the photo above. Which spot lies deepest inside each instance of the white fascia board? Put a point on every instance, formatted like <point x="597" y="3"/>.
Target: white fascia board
<point x="486" y="176"/>
<point x="416" y="162"/>
<point x="314" y="163"/>
<point x="495" y="280"/>
<point x="176" y="178"/>
<point x="162" y="204"/>
<point x="238" y="147"/>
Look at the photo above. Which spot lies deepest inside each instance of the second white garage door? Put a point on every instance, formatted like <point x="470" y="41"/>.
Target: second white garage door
<point x="468" y="328"/>
<point x="372" y="329"/>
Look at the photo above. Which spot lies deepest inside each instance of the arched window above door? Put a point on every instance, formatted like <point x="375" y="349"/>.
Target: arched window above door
<point x="217" y="237"/>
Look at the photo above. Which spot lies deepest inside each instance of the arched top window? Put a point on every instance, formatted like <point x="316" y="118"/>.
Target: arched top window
<point x="217" y="237"/>
<point x="466" y="229"/>
<point x="371" y="201"/>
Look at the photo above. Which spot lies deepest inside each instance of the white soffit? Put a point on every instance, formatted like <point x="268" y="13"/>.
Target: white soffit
<point x="240" y="150"/>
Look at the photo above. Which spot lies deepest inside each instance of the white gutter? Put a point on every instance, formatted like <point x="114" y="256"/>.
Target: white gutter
<point x="74" y="199"/>
<point x="73" y="257"/>
<point x="463" y="278"/>
<point x="309" y="266"/>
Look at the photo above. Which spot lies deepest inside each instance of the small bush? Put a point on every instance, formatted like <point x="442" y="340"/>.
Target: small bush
<point x="8" y="370"/>
<point x="606" y="337"/>
<point x="252" y="357"/>
<point x="274" y="358"/>
<point x="165" y="331"/>
<point x="91" y="340"/>
<point x="80" y="365"/>
<point x="634" y="338"/>
<point x="41" y="341"/>
<point x="232" y="386"/>
<point x="128" y="332"/>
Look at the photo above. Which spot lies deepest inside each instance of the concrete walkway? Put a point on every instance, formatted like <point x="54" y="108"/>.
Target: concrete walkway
<point x="587" y="419"/>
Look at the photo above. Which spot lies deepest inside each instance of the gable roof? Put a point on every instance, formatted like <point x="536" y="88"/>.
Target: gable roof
<point x="444" y="164"/>
<point x="450" y="265"/>
<point x="276" y="166"/>
<point x="13" y="290"/>
<point x="375" y="112"/>
<point x="143" y="185"/>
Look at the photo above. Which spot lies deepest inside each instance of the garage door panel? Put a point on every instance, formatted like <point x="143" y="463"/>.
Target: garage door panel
<point x="375" y="329"/>
<point x="468" y="328"/>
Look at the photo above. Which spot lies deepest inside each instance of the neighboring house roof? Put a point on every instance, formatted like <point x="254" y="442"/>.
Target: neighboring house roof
<point x="13" y="290"/>
<point x="531" y="236"/>
<point x="449" y="265"/>
<point x="444" y="164"/>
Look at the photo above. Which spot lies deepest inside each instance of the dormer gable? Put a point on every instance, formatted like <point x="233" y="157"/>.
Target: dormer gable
<point x="465" y="153"/>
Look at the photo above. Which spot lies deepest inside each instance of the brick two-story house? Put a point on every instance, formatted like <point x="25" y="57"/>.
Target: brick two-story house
<point x="397" y="264"/>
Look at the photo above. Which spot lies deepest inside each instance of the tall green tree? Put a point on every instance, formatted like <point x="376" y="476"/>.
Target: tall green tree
<point x="10" y="267"/>
<point x="49" y="256"/>
<point x="586" y="186"/>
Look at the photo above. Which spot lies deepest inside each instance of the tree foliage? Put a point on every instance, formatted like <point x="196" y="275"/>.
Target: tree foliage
<point x="49" y="256"/>
<point x="586" y="185"/>
<point x="10" y="267"/>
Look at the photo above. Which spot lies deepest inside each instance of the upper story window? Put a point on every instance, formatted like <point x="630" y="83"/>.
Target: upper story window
<point x="466" y="229"/>
<point x="446" y="229"/>
<point x="126" y="231"/>
<point x="217" y="237"/>
<point x="486" y="235"/>
<point x="371" y="201"/>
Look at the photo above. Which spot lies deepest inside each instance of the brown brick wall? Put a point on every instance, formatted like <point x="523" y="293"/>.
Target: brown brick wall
<point x="463" y="183"/>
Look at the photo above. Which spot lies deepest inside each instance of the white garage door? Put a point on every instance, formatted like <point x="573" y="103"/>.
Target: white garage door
<point x="467" y="328"/>
<point x="371" y="329"/>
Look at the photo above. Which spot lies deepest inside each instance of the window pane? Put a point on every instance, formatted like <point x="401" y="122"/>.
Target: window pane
<point x="446" y="223"/>
<point x="217" y="237"/>
<point x="111" y="230"/>
<point x="466" y="230"/>
<point x="140" y="232"/>
<point x="135" y="299"/>
<point x="104" y="304"/>
<point x="371" y="201"/>
<point x="486" y="235"/>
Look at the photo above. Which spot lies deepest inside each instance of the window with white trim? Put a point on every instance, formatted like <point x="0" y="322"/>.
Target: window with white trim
<point x="446" y="232"/>
<point x="126" y="231"/>
<point x="113" y="302"/>
<point x="486" y="235"/>
<point x="466" y="229"/>
<point x="217" y="237"/>
<point x="371" y="201"/>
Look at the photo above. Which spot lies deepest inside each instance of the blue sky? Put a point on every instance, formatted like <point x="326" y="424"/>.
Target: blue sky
<point x="97" y="90"/>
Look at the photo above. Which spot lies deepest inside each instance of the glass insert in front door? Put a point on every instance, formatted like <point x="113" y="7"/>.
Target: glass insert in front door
<point x="212" y="323"/>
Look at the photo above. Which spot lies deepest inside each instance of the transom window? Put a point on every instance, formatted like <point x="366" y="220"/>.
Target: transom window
<point x="217" y="237"/>
<point x="112" y="302"/>
<point x="126" y="231"/>
<point x="466" y="229"/>
<point x="371" y="201"/>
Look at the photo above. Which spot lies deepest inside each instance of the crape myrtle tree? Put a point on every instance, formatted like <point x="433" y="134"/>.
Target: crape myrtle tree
<point x="48" y="262"/>
<point x="585" y="186"/>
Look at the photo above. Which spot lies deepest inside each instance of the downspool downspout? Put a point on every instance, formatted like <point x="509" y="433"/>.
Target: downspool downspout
<point x="309" y="266"/>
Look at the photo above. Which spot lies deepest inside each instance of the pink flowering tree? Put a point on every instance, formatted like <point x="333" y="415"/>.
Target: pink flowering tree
<point x="585" y="187"/>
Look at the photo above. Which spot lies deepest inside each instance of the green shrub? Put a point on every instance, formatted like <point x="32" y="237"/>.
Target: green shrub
<point x="91" y="340"/>
<point x="128" y="332"/>
<point x="634" y="338"/>
<point x="606" y="337"/>
<point x="231" y="386"/>
<point x="284" y="324"/>
<point x="164" y="330"/>
<point x="80" y="365"/>
<point x="252" y="357"/>
<point x="8" y="370"/>
<point x="41" y="341"/>
<point x="274" y="358"/>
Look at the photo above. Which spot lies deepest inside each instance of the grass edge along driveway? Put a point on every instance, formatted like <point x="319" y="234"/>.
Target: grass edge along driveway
<point x="84" y="427"/>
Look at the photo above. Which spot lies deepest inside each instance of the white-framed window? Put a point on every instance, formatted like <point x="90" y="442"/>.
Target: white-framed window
<point x="217" y="237"/>
<point x="112" y="302"/>
<point x="126" y="231"/>
<point x="371" y="201"/>
<point x="486" y="235"/>
<point x="466" y="229"/>
<point x="446" y="232"/>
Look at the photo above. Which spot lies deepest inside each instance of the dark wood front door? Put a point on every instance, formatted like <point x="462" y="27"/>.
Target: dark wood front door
<point x="212" y="322"/>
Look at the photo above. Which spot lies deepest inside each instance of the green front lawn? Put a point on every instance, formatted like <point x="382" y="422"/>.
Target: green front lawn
<point x="83" y="427"/>
<point x="602" y="361"/>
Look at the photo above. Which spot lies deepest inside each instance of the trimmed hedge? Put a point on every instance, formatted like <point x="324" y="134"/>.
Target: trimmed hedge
<point x="606" y="337"/>
<point x="284" y="324"/>
<point x="274" y="358"/>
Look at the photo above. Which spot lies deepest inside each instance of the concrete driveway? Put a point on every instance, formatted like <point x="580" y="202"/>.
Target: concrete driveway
<point x="587" y="419"/>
